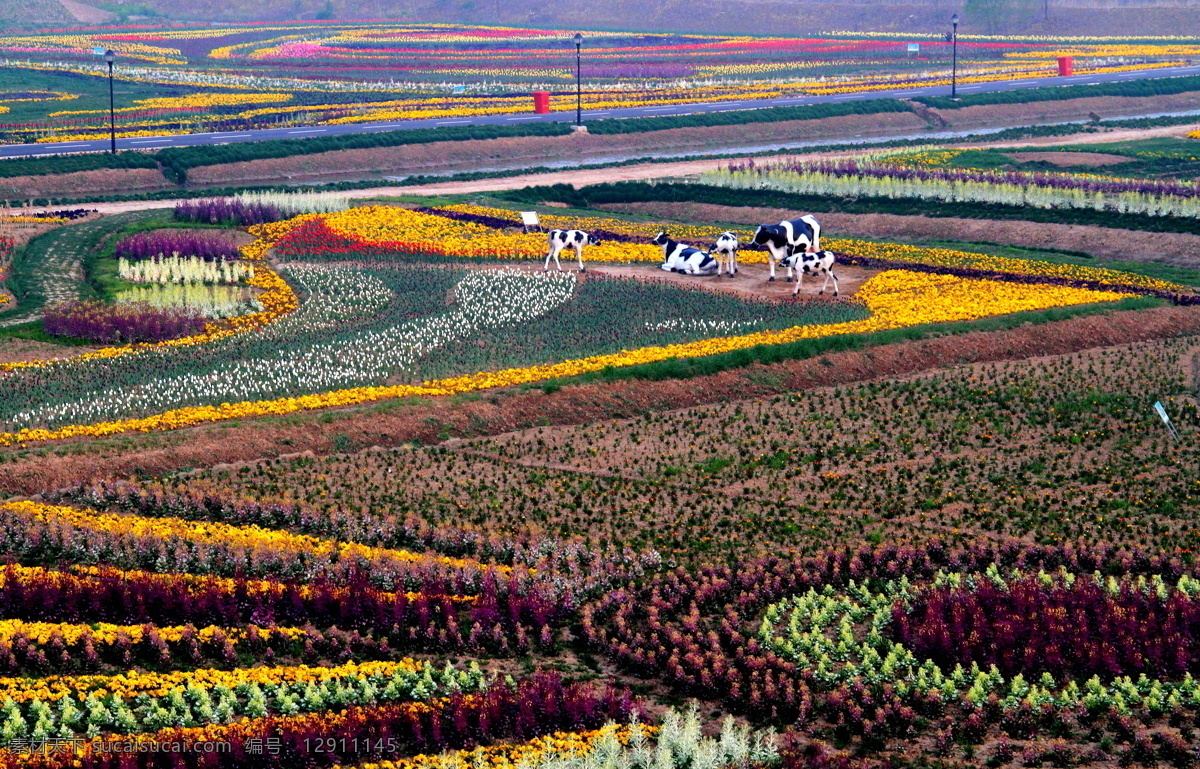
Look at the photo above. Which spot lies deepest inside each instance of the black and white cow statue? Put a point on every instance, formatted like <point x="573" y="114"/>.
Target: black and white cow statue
<point x="680" y="257"/>
<point x="813" y="264"/>
<point x="726" y="251"/>
<point x="576" y="239"/>
<point x="781" y="239"/>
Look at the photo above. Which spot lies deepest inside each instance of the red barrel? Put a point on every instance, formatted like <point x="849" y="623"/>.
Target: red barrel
<point x="1066" y="65"/>
<point x="541" y="102"/>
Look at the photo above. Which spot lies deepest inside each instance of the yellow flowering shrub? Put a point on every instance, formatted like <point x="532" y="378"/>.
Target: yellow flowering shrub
<point x="249" y="537"/>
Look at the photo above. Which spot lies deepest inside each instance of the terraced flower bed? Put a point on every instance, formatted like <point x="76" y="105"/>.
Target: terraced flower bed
<point x="983" y="564"/>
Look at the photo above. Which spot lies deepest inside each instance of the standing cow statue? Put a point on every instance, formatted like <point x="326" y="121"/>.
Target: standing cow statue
<point x="820" y="262"/>
<point x="784" y="238"/>
<point x="680" y="257"/>
<point x="576" y="239"/>
<point x="725" y="250"/>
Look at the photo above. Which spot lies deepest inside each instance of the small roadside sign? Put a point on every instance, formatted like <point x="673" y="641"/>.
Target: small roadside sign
<point x="914" y="47"/>
<point x="98" y="51"/>
<point x="1162" y="414"/>
<point x="460" y="89"/>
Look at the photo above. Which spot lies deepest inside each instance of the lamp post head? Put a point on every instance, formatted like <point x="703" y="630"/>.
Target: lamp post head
<point x="578" y="39"/>
<point x="110" y="56"/>
<point x="954" y="20"/>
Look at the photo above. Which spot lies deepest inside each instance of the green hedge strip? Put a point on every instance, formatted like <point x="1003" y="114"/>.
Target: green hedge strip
<point x="1153" y="87"/>
<point x="747" y="116"/>
<point x="177" y="160"/>
<point x="641" y="192"/>
<point x="66" y="164"/>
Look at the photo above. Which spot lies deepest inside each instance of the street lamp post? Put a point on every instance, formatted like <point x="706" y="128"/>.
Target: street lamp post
<point x="954" y="56"/>
<point x="110" y="57"/>
<point x="578" y="79"/>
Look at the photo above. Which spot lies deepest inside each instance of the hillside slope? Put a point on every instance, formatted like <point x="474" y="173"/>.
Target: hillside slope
<point x="773" y="17"/>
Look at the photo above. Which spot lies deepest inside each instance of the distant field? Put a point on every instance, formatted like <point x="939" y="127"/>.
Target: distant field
<point x="242" y="76"/>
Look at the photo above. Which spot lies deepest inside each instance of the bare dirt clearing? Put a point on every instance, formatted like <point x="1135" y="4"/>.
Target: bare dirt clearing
<point x="750" y="282"/>
<point x="18" y="350"/>
<point x="1178" y="249"/>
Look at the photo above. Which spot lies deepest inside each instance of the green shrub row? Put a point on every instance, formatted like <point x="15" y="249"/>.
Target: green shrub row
<point x="1159" y="86"/>
<point x="640" y="192"/>
<point x="177" y="160"/>
<point x="66" y="164"/>
<point x="747" y="116"/>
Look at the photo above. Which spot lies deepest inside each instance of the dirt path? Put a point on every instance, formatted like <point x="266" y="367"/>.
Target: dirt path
<point x="750" y="282"/>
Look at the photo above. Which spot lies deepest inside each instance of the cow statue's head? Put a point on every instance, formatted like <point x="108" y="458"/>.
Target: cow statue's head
<point x="592" y="240"/>
<point x="760" y="235"/>
<point x="661" y="239"/>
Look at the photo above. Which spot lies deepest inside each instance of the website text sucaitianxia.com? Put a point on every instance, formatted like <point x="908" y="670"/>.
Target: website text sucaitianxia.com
<point x="253" y="746"/>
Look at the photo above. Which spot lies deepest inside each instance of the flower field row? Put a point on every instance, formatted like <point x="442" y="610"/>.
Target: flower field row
<point x="895" y="299"/>
<point x="120" y="323"/>
<point x="582" y="569"/>
<point x="187" y="270"/>
<point x="156" y="244"/>
<point x="852" y="179"/>
<point x="678" y="741"/>
<point x="539" y="705"/>
<point x="129" y="703"/>
<point x="249" y="76"/>
<point x="214" y="302"/>
<point x="247" y="549"/>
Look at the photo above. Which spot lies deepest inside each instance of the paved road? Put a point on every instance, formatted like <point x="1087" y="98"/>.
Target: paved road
<point x="191" y="140"/>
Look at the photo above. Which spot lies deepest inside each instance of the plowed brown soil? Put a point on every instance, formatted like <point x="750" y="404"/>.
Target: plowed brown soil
<point x="104" y="181"/>
<point x="430" y="421"/>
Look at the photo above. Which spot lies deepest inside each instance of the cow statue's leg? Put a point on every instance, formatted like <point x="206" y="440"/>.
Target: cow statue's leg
<point x="579" y="255"/>
<point x="733" y="267"/>
<point x="772" y="258"/>
<point x="829" y="275"/>
<point x="552" y="255"/>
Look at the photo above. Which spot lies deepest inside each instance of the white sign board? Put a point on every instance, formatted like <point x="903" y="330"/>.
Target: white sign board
<point x="914" y="47"/>
<point x="1162" y="414"/>
<point x="530" y="220"/>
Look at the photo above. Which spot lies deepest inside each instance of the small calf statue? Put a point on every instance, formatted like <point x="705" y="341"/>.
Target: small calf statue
<point x="576" y="239"/>
<point x="820" y="262"/>
<point x="726" y="252"/>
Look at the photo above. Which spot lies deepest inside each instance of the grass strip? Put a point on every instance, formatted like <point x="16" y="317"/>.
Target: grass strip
<point x="1159" y="86"/>
<point x="66" y="164"/>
